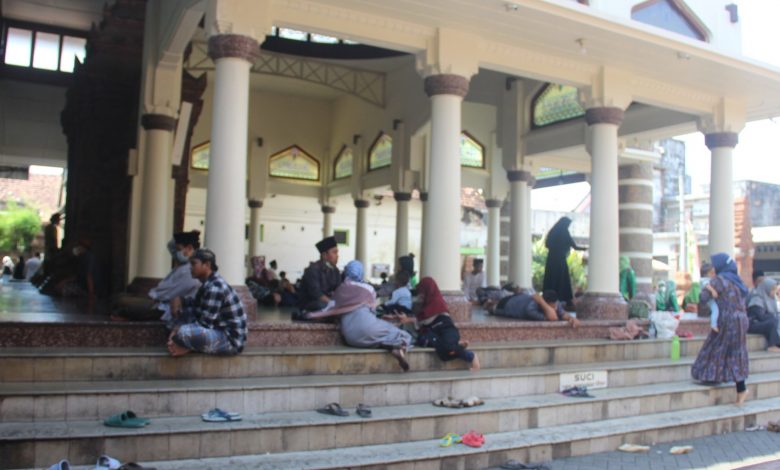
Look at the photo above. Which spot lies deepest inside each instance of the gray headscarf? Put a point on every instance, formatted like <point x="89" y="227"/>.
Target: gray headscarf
<point x="763" y="296"/>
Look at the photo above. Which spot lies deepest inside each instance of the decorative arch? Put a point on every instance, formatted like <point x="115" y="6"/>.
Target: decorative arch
<point x="671" y="15"/>
<point x="294" y="163"/>
<point x="555" y="103"/>
<point x="472" y="152"/>
<point x="343" y="163"/>
<point x="380" y="154"/>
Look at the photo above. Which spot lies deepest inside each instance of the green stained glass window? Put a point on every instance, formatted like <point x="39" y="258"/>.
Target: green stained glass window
<point x="556" y="103"/>
<point x="472" y="153"/>
<point x="381" y="153"/>
<point x="294" y="163"/>
<point x="199" y="158"/>
<point x="343" y="164"/>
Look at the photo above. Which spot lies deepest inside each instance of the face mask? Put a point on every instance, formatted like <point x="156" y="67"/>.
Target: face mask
<point x="181" y="257"/>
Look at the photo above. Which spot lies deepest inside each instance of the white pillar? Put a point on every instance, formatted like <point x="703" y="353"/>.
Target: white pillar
<point x="233" y="55"/>
<point x="494" y="242"/>
<point x="520" y="228"/>
<point x="721" y="232"/>
<point x="254" y="227"/>
<point x="327" y="221"/>
<point x="361" y="237"/>
<point x="425" y="213"/>
<point x="153" y="259"/>
<point x="443" y="237"/>
<point x="401" y="224"/>
<point x="604" y="266"/>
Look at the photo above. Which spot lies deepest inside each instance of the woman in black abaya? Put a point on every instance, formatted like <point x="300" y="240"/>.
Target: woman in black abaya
<point x="556" y="271"/>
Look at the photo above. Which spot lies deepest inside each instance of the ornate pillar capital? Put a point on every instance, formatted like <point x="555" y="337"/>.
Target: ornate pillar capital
<point x="493" y="203"/>
<point x="604" y="115"/>
<point x="446" y="84"/>
<point x="233" y="45"/>
<point x="721" y="139"/>
<point x="519" y="175"/>
<point x="158" y="122"/>
<point x="255" y="204"/>
<point x="423" y="196"/>
<point x="328" y="210"/>
<point x="362" y="203"/>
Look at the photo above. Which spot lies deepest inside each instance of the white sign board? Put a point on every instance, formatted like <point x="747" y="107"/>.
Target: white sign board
<point x="590" y="379"/>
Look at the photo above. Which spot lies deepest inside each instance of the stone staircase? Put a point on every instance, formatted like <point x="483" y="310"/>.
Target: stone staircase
<point x="52" y="403"/>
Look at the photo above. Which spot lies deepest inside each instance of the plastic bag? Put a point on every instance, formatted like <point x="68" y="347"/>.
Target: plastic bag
<point x="665" y="324"/>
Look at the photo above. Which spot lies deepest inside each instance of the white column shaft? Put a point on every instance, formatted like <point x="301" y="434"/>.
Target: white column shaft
<point x="327" y="224"/>
<point x="401" y="229"/>
<point x="254" y="231"/>
<point x="517" y="189"/>
<point x="154" y="260"/>
<point x="494" y="246"/>
<point x="424" y="252"/>
<point x="721" y="231"/>
<point x="603" y="270"/>
<point x="226" y="200"/>
<point x="443" y="236"/>
<point x="361" y="238"/>
<point x="525" y="249"/>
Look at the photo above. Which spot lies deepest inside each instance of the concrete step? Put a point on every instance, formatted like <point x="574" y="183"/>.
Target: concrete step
<point x="68" y="364"/>
<point x="528" y="445"/>
<point x="69" y="401"/>
<point x="188" y="437"/>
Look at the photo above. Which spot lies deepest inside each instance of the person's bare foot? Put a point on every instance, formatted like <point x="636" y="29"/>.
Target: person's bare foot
<point x="474" y="364"/>
<point x="177" y="350"/>
<point x="398" y="353"/>
<point x="741" y="398"/>
<point x="773" y="349"/>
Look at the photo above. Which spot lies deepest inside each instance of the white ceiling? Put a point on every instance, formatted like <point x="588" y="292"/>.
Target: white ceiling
<point x="74" y="14"/>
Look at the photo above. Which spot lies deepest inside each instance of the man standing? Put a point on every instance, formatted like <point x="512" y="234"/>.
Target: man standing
<point x="321" y="278"/>
<point x="212" y="322"/>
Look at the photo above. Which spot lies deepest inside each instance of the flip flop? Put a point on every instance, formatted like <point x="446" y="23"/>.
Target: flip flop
<point x="128" y="419"/>
<point x="449" y="439"/>
<point x="217" y="415"/>
<point x="135" y="466"/>
<point x="61" y="465"/>
<point x="333" y="409"/>
<point x="473" y="439"/>
<point x="104" y="462"/>
<point x="363" y="411"/>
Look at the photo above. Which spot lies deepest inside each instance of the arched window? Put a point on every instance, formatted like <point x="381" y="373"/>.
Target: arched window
<point x="671" y="15"/>
<point x="294" y="163"/>
<point x="343" y="166"/>
<point x="555" y="103"/>
<point x="472" y="152"/>
<point x="380" y="154"/>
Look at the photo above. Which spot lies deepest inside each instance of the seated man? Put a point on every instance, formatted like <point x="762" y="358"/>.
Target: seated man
<point x="212" y="322"/>
<point x="178" y="283"/>
<point x="321" y="278"/>
<point x="474" y="280"/>
<point x="534" y="307"/>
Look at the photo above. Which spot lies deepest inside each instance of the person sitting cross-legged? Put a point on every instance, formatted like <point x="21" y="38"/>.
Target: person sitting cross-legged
<point x="212" y="322"/>
<point x="534" y="307"/>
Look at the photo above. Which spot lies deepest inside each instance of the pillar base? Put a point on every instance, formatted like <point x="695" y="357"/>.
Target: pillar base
<point x="459" y="307"/>
<point x="247" y="301"/>
<point x="142" y="285"/>
<point x="602" y="306"/>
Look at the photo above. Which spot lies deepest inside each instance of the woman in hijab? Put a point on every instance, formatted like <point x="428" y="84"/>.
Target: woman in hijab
<point x="354" y="302"/>
<point x="627" y="279"/>
<point x="556" y="271"/>
<point x="666" y="297"/>
<point x="434" y="322"/>
<point x="762" y="313"/>
<point x="724" y="355"/>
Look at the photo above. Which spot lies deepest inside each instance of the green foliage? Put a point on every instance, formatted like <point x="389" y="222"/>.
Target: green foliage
<point x="577" y="269"/>
<point x="18" y="227"/>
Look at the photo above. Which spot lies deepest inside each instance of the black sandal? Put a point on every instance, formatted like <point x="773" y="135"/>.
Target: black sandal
<point x="363" y="411"/>
<point x="333" y="409"/>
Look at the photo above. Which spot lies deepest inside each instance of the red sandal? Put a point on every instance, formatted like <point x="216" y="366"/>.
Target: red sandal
<point x="473" y="439"/>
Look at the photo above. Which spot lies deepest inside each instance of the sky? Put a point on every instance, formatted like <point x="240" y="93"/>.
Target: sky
<point x="756" y="157"/>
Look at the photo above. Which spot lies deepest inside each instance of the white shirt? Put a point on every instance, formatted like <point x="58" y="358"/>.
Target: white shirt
<point x="471" y="282"/>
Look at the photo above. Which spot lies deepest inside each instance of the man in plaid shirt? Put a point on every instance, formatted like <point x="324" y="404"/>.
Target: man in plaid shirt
<point x="212" y="322"/>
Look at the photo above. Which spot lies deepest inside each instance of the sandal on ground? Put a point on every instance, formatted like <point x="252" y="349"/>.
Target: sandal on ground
<point x="471" y="401"/>
<point x="473" y="439"/>
<point x="449" y="439"/>
<point x="61" y="465"/>
<point x="134" y="466"/>
<point x="363" y="411"/>
<point x="448" y="403"/>
<point x="128" y="419"/>
<point x="333" y="409"/>
<point x="518" y="465"/>
<point x="398" y="353"/>
<point x="773" y="426"/>
<point x="104" y="462"/>
<point x="217" y="415"/>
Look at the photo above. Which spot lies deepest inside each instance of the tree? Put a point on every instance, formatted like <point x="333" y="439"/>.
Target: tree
<point x="18" y="227"/>
<point x="577" y="270"/>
